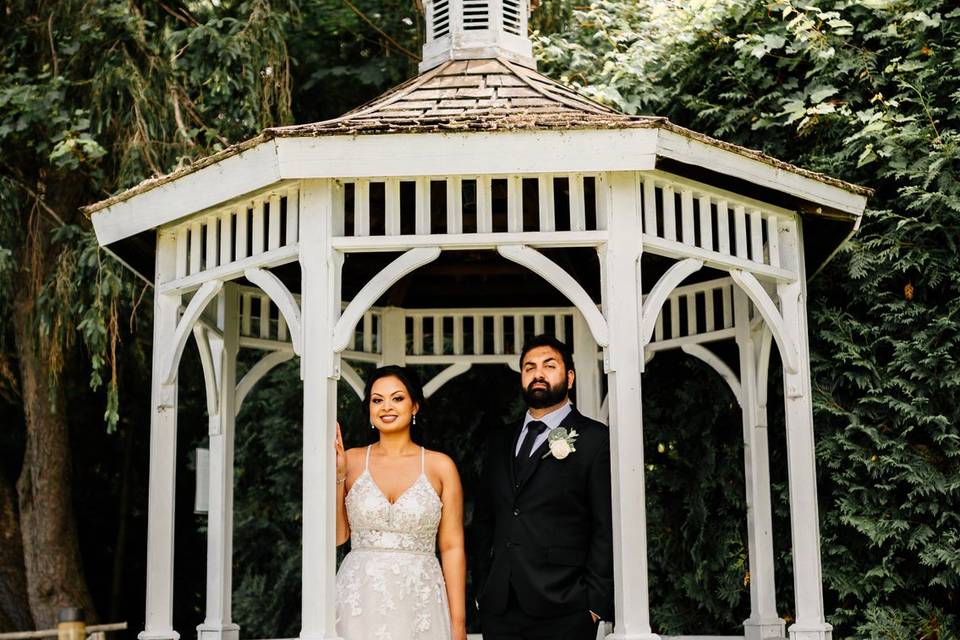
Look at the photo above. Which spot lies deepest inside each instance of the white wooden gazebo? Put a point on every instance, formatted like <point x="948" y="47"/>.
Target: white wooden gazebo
<point x="695" y="241"/>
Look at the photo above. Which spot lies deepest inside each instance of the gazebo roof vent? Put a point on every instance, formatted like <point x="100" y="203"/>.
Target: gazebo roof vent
<point x="476" y="29"/>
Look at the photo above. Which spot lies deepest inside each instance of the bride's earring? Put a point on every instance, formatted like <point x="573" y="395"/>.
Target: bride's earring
<point x="371" y="426"/>
<point x="414" y="419"/>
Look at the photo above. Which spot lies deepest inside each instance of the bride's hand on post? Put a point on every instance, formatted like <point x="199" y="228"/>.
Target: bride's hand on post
<point x="341" y="457"/>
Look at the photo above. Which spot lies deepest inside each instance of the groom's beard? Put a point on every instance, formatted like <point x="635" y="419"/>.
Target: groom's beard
<point x="543" y="397"/>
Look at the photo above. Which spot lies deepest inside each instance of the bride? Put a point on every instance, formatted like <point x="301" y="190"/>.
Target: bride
<point x="397" y="503"/>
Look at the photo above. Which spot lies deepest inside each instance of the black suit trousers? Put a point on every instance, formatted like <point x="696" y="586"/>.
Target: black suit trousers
<point x="515" y="624"/>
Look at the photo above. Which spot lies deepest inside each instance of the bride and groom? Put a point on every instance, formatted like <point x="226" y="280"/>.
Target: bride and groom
<point x="541" y="532"/>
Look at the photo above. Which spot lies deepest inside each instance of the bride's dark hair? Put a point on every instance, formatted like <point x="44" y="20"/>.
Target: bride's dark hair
<point x="411" y="381"/>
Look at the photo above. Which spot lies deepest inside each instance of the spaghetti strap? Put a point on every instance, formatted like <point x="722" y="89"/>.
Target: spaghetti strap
<point x="366" y="464"/>
<point x="422" y="454"/>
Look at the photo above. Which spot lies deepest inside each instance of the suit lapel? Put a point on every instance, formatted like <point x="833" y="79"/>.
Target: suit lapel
<point x="537" y="455"/>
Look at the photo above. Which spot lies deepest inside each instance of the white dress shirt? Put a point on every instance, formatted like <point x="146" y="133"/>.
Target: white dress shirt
<point x="552" y="420"/>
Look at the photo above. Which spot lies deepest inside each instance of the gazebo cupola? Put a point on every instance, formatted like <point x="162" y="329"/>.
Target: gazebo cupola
<point x="476" y="29"/>
<point x="479" y="203"/>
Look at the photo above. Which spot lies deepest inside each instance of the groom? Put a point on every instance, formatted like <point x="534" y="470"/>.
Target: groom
<point x="544" y="550"/>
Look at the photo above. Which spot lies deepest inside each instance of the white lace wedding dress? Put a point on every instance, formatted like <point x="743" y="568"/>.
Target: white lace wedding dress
<point x="390" y="586"/>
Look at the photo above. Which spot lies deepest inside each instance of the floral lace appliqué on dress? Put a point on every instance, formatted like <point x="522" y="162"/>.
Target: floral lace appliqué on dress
<point x="390" y="586"/>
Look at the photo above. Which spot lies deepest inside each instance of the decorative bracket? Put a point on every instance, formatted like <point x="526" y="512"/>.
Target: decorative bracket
<point x="286" y="303"/>
<point x="718" y="365"/>
<point x="350" y="375"/>
<point x="256" y="373"/>
<point x="764" y="304"/>
<point x="444" y="377"/>
<point x="763" y="372"/>
<point x="376" y="287"/>
<point x="659" y="294"/>
<point x="565" y="284"/>
<point x="210" y="348"/>
<point x="190" y="316"/>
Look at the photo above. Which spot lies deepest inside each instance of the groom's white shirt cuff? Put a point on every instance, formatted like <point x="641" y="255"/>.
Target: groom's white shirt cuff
<point x="552" y="420"/>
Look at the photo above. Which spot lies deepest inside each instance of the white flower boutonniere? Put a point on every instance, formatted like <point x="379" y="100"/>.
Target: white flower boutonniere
<point x="561" y="443"/>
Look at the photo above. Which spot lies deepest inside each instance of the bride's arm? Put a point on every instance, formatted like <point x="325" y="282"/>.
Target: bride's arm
<point x="343" y="527"/>
<point x="453" y="558"/>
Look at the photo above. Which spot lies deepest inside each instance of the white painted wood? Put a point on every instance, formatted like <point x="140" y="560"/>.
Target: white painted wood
<point x="810" y="623"/>
<point x="273" y="222"/>
<point x="240" y="248"/>
<point x="560" y="329"/>
<point x="723" y="227"/>
<point x="418" y="335"/>
<point x="376" y="287"/>
<point x="726" y="300"/>
<point x="282" y="329"/>
<point x="293" y="216"/>
<point x="196" y="245"/>
<point x="158" y="620"/>
<point x="477" y="333"/>
<point x="454" y="205"/>
<point x="361" y="208"/>
<point x="444" y="377"/>
<point x="651" y="307"/>
<point x="484" y="204"/>
<point x="422" y="206"/>
<point x="708" y="305"/>
<point x="274" y="258"/>
<point x="786" y="343"/>
<point x="669" y="212"/>
<point x="674" y="306"/>
<point x="703" y="338"/>
<point x="686" y="216"/>
<point x="246" y="313"/>
<point x="565" y="284"/>
<point x="538" y="324"/>
<point x="678" y="250"/>
<point x="587" y="367"/>
<point x="182" y="238"/>
<point x="218" y="622"/>
<point x="706" y="223"/>
<point x="498" y="334"/>
<point x="602" y="201"/>
<point x="691" y="314"/>
<point x="577" y="213"/>
<point x="226" y="236"/>
<point x="763" y="621"/>
<point x="367" y="332"/>
<point x="352" y="378"/>
<point x="514" y="204"/>
<point x="623" y="357"/>
<point x="518" y="333"/>
<point x="257" y="236"/>
<point x="458" y="335"/>
<point x="476" y="241"/>
<point x="650" y="206"/>
<point x="437" y="325"/>
<point x="392" y="196"/>
<point x="264" y="320"/>
<point x="210" y="227"/>
<point x="285" y="301"/>
<point x="773" y="241"/>
<point x="740" y="231"/>
<point x="320" y="300"/>
<point x="709" y="358"/>
<point x="210" y="372"/>
<point x="546" y="201"/>
<point x="393" y="336"/>
<point x="756" y="235"/>
<point x="184" y="327"/>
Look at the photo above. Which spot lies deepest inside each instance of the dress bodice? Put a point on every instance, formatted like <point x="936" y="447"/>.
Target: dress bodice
<point x="409" y="524"/>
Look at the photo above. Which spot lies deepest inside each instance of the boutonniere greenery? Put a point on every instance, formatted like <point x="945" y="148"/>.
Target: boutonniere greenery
<point x="561" y="442"/>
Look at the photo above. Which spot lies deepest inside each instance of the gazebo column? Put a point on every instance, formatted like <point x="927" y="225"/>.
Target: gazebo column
<point x="801" y="456"/>
<point x="393" y="337"/>
<point x="158" y="621"/>
<point x="587" y="366"/>
<point x="320" y="300"/>
<point x="623" y="360"/>
<point x="764" y="621"/>
<point x="217" y="624"/>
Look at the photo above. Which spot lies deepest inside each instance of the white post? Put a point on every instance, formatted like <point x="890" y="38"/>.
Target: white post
<point x="764" y="621"/>
<point x="623" y="360"/>
<point x="320" y="304"/>
<point x="801" y="460"/>
<point x="587" y="364"/>
<point x="158" y="622"/>
<point x="393" y="337"/>
<point x="217" y="624"/>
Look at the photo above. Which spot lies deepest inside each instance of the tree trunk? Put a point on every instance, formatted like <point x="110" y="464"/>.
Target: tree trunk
<point x="14" y="606"/>
<point x="51" y="550"/>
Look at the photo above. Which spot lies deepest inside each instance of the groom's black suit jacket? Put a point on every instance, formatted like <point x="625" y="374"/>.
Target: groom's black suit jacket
<point x="548" y="533"/>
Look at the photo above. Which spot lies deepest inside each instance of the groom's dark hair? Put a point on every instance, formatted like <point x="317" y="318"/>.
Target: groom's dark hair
<point x="545" y="340"/>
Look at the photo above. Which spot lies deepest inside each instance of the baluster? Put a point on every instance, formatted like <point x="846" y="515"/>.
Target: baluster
<point x="756" y="236"/>
<point x="210" y="228"/>
<point x="560" y="327"/>
<point x="484" y="205"/>
<point x="517" y="334"/>
<point x="515" y="204"/>
<point x="578" y="221"/>
<point x="273" y="223"/>
<point x="196" y="230"/>
<point x="183" y="238"/>
<point x="256" y="234"/>
<point x="458" y="335"/>
<point x="723" y="227"/>
<point x="477" y="334"/>
<point x="545" y="185"/>
<point x="417" y="335"/>
<point x="727" y="300"/>
<point x="246" y="314"/>
<point x="437" y="335"/>
<point x="226" y="229"/>
<point x="538" y="324"/>
<point x="658" y="327"/>
<point x="708" y="305"/>
<point x="293" y="214"/>
<point x="240" y="248"/>
<point x="600" y="190"/>
<point x="773" y="240"/>
<point x="368" y="332"/>
<point x="686" y="217"/>
<point x="422" y="216"/>
<point x="740" y="230"/>
<point x="650" y="206"/>
<point x="454" y="205"/>
<point x="264" y="316"/>
<point x="281" y="328"/>
<point x="674" y="302"/>
<point x="691" y="313"/>
<point x="669" y="214"/>
<point x="361" y="208"/>
<point x="498" y="334"/>
<point x="706" y="226"/>
<point x="392" y="205"/>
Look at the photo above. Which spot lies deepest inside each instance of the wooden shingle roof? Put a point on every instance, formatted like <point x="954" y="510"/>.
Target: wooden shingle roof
<point x="484" y="95"/>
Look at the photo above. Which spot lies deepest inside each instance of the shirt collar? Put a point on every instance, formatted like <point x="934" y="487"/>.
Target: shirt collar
<point x="552" y="419"/>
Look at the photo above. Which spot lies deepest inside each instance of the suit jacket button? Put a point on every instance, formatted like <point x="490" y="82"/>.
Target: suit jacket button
<point x="509" y="544"/>
<point x="516" y="512"/>
<point x="516" y="485"/>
